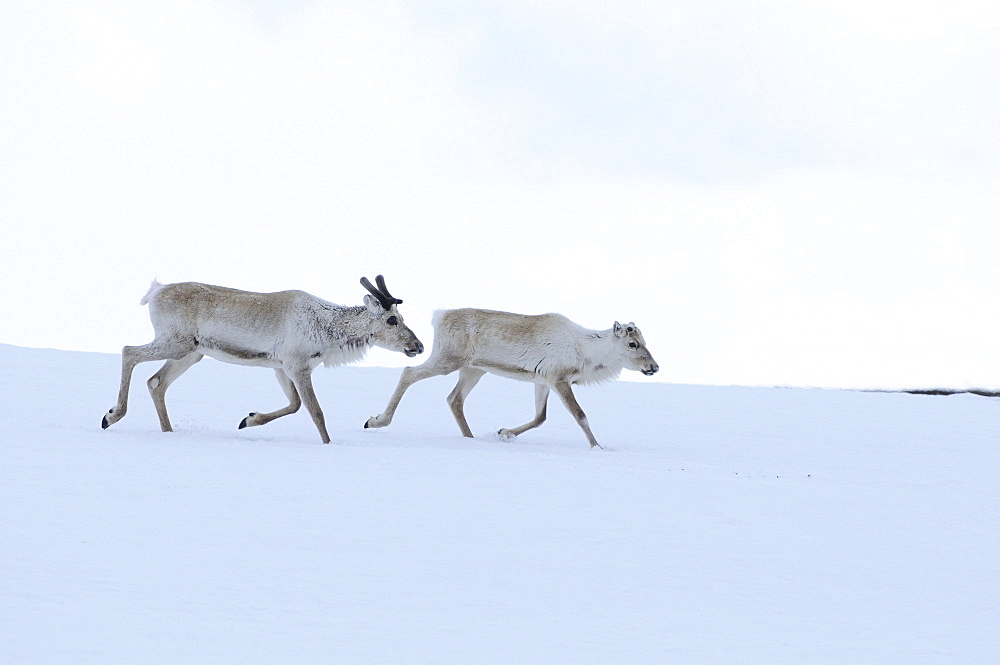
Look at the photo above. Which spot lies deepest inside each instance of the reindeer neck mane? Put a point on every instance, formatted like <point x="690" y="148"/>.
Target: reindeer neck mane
<point x="348" y="333"/>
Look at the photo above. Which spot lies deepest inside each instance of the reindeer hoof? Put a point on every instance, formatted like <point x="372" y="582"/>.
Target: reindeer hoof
<point x="244" y="423"/>
<point x="506" y="435"/>
<point x="366" y="424"/>
<point x="104" y="422"/>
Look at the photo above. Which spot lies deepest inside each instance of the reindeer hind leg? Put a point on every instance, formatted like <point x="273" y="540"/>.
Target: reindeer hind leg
<point x="468" y="377"/>
<point x="435" y="366"/>
<point x="158" y="349"/>
<point x="159" y="382"/>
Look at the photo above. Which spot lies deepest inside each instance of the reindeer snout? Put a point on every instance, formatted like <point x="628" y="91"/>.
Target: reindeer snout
<point x="415" y="350"/>
<point x="651" y="370"/>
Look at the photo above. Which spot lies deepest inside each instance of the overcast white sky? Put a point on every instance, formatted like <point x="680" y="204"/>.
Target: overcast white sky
<point x="776" y="192"/>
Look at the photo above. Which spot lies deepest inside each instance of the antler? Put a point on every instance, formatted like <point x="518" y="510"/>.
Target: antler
<point x="380" y="283"/>
<point x="386" y="300"/>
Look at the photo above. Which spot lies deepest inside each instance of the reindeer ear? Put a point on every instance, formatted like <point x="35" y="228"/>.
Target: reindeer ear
<point x="373" y="305"/>
<point x="619" y="331"/>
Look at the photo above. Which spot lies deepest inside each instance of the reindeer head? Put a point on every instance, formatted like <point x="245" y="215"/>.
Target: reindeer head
<point x="634" y="351"/>
<point x="389" y="330"/>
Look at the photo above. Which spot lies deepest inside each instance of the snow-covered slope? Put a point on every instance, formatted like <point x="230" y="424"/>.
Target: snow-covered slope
<point x="720" y="525"/>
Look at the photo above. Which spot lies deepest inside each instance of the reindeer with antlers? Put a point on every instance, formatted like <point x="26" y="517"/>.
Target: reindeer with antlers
<point x="289" y="331"/>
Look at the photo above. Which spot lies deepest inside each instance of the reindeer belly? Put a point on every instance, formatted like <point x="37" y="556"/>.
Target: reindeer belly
<point x="510" y="371"/>
<point x="236" y="354"/>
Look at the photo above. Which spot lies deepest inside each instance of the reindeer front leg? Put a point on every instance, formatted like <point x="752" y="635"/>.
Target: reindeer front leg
<point x="565" y="392"/>
<point x="294" y="402"/>
<point x="541" y="398"/>
<point x="302" y="379"/>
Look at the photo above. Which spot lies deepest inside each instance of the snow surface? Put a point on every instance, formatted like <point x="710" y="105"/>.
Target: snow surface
<point x="720" y="525"/>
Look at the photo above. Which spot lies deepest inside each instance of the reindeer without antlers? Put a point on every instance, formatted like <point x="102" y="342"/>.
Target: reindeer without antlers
<point x="548" y="350"/>
<point x="289" y="331"/>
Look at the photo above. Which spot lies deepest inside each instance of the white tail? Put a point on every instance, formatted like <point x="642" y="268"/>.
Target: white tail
<point x="289" y="331"/>
<point x="154" y="286"/>
<point x="548" y="350"/>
